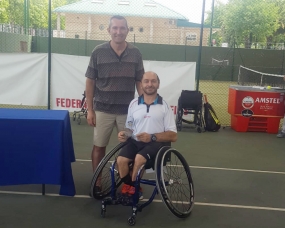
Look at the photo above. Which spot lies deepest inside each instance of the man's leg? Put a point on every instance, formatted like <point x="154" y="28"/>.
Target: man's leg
<point x="126" y="156"/>
<point x="139" y="161"/>
<point x="102" y="132"/>
<point x="282" y="133"/>
<point x="123" y="166"/>
<point x="97" y="155"/>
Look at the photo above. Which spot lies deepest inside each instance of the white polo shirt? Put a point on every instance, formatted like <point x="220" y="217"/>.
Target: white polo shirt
<point x="155" y="118"/>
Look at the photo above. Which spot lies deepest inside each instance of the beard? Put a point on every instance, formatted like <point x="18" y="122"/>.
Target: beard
<point x="152" y="92"/>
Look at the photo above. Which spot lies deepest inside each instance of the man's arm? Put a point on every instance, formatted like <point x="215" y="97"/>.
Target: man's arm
<point x="89" y="90"/>
<point x="139" y="88"/>
<point x="167" y="136"/>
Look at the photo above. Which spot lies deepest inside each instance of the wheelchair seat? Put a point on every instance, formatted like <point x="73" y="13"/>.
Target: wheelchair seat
<point x="150" y="163"/>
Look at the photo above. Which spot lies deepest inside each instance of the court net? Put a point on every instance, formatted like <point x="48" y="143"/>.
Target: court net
<point x="249" y="77"/>
<point x="223" y="62"/>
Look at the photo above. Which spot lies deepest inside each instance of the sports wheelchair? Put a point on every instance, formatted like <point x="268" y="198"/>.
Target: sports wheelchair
<point x="190" y="102"/>
<point x="83" y="111"/>
<point x="173" y="181"/>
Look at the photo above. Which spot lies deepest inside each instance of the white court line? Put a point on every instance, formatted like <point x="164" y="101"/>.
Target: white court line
<point x="217" y="168"/>
<point x="156" y="201"/>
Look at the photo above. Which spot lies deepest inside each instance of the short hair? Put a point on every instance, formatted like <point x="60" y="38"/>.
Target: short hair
<point x="119" y="18"/>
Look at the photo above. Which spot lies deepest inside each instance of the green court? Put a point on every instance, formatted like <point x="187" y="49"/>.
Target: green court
<point x="238" y="180"/>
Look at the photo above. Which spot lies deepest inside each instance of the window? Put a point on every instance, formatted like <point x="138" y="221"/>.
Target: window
<point x="141" y="29"/>
<point x="131" y="29"/>
<point x="76" y="36"/>
<point x="150" y="4"/>
<point x="97" y="1"/>
<point x="171" y="22"/>
<point x="101" y="27"/>
<point x="124" y="2"/>
<point x="191" y="36"/>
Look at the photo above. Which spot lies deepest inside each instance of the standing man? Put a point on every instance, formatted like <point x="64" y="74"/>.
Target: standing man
<point x="282" y="133"/>
<point x="114" y="70"/>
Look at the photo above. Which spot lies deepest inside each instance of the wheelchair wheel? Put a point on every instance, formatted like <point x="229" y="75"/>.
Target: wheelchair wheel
<point x="178" y="119"/>
<point x="103" y="174"/>
<point x="174" y="182"/>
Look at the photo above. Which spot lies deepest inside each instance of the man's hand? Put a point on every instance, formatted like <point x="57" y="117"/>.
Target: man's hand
<point x="123" y="136"/>
<point x="144" y="137"/>
<point x="91" y="118"/>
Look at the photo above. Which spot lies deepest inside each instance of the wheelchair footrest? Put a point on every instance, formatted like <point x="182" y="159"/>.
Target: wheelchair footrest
<point x="123" y="199"/>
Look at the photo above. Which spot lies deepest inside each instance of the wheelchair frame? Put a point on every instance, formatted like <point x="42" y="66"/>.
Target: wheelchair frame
<point x="82" y="112"/>
<point x="110" y="197"/>
<point x="196" y="110"/>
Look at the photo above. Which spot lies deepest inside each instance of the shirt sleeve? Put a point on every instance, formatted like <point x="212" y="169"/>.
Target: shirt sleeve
<point x="139" y="69"/>
<point x="130" y="118"/>
<point x="92" y="70"/>
<point x="169" y="121"/>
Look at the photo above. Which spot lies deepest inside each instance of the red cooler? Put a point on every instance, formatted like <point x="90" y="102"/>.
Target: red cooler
<point x="254" y="108"/>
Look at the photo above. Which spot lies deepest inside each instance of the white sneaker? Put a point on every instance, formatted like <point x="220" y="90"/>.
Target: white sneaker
<point x="281" y="135"/>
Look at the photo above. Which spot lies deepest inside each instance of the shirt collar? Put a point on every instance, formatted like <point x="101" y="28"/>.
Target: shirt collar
<point x="158" y="100"/>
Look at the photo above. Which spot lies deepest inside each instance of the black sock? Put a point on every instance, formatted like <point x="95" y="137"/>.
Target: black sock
<point x="134" y="184"/>
<point x="127" y="179"/>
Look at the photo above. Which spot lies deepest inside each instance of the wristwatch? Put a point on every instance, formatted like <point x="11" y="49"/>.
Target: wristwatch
<point x="153" y="137"/>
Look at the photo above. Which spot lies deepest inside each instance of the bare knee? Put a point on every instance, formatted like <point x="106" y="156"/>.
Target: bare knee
<point x="139" y="160"/>
<point x="122" y="161"/>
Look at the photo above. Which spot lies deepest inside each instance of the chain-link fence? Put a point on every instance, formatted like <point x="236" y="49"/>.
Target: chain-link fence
<point x="235" y="33"/>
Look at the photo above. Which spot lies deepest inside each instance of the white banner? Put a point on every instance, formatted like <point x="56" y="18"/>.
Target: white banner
<point x="68" y="80"/>
<point x="23" y="79"/>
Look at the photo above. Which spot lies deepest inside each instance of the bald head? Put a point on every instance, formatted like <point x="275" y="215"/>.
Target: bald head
<point x="151" y="75"/>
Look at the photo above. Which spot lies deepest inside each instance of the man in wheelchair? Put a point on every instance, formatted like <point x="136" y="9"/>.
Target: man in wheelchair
<point x="150" y="123"/>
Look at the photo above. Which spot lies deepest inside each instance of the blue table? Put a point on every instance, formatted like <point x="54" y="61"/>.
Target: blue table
<point x="36" y="147"/>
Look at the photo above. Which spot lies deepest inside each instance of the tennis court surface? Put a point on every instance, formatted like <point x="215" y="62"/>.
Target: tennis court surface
<point x="239" y="181"/>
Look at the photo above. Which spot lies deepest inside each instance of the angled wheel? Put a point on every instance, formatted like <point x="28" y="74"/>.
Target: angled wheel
<point x="102" y="176"/>
<point x="174" y="182"/>
<point x="178" y="119"/>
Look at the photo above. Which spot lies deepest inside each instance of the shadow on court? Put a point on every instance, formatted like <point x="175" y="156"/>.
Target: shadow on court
<point x="239" y="181"/>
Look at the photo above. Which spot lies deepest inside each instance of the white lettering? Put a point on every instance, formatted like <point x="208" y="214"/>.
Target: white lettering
<point x="267" y="100"/>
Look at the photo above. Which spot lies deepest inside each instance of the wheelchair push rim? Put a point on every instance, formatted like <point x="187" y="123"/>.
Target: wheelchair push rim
<point x="103" y="171"/>
<point x="174" y="182"/>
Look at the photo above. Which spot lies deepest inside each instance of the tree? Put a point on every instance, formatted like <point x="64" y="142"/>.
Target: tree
<point x="279" y="35"/>
<point x="219" y="9"/>
<point x="244" y="20"/>
<point x="16" y="12"/>
<point x="4" y="4"/>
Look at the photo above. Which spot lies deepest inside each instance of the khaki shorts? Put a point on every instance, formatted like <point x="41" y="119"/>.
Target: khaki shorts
<point x="104" y="126"/>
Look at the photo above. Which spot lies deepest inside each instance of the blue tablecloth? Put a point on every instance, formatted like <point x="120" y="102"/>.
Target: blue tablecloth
<point x="36" y="147"/>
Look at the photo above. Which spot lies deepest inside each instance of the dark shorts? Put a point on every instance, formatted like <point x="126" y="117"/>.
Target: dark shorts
<point x="147" y="150"/>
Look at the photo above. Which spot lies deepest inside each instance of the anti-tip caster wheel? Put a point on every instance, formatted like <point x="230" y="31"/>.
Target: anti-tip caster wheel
<point x="74" y="117"/>
<point x="103" y="213"/>
<point x="79" y="120"/>
<point x="132" y="221"/>
<point x="199" y="130"/>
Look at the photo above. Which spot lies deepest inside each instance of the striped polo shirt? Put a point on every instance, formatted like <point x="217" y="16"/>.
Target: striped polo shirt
<point x="114" y="77"/>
